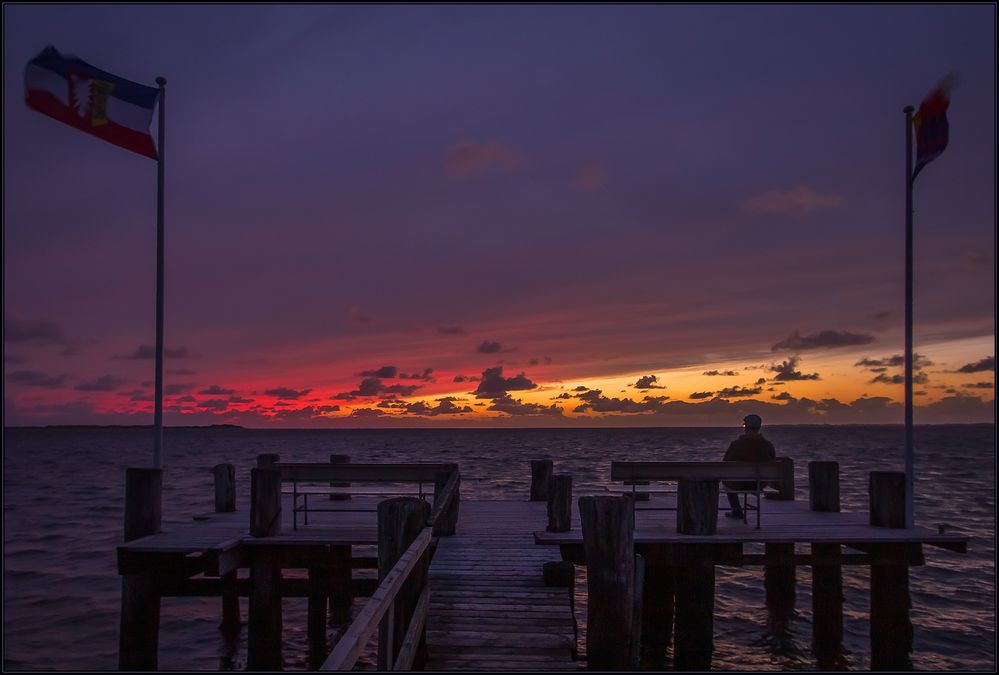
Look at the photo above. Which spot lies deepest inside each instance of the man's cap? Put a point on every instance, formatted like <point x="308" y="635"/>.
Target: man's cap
<point x="753" y="421"/>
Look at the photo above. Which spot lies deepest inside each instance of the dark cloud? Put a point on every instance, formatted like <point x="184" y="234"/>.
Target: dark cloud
<point x="494" y="385"/>
<point x="445" y="406"/>
<point x="760" y="381"/>
<point x="143" y="352"/>
<point x="103" y="383"/>
<point x="216" y="390"/>
<point x="697" y="395"/>
<point x="14" y="359"/>
<point x="895" y="361"/>
<point x="425" y="375"/>
<point x="307" y="413"/>
<point x="238" y="399"/>
<point x="962" y="408"/>
<point x="538" y="359"/>
<point x="516" y="407"/>
<point x="488" y="347"/>
<point x="827" y="339"/>
<point x="366" y="412"/>
<point x="185" y="399"/>
<point x="581" y="388"/>
<point x="988" y="363"/>
<point x="139" y="395"/>
<point x="738" y="392"/>
<point x="883" y="378"/>
<point x="179" y="388"/>
<point x="216" y="404"/>
<point x="286" y="393"/>
<point x="883" y="314"/>
<point x="31" y="331"/>
<point x="401" y="389"/>
<point x="451" y="330"/>
<point x="787" y="371"/>
<point x="979" y="385"/>
<point x="720" y="373"/>
<point x="467" y="378"/>
<point x="33" y="378"/>
<point x="563" y="395"/>
<point x="385" y="371"/>
<point x="648" y="382"/>
<point x="783" y="396"/>
<point x="595" y="401"/>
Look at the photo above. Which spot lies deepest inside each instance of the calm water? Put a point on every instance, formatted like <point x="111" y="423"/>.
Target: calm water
<point x="63" y="500"/>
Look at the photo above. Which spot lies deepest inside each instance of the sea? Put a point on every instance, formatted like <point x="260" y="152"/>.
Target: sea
<point x="63" y="495"/>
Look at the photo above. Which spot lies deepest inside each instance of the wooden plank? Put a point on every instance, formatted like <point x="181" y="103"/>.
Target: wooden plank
<point x="360" y="473"/>
<point x="696" y="471"/>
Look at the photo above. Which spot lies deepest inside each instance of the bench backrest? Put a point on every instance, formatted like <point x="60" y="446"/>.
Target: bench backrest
<point x="766" y="471"/>
<point x="369" y="473"/>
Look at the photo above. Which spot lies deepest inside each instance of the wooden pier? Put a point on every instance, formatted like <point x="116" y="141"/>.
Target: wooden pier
<point x="487" y="585"/>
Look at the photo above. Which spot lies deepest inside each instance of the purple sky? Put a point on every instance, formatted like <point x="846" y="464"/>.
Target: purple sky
<point x="606" y="192"/>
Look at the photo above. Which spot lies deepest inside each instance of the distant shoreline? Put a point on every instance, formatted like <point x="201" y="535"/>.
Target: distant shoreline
<point x="471" y="428"/>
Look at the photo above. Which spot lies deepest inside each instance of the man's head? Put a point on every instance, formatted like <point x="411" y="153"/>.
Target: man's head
<point x="752" y="422"/>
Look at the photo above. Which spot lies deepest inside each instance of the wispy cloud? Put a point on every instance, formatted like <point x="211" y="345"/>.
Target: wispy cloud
<point x="799" y="200"/>
<point x="467" y="158"/>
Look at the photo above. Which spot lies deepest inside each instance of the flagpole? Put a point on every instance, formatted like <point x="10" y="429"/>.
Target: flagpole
<point x="161" y="155"/>
<point x="909" y="484"/>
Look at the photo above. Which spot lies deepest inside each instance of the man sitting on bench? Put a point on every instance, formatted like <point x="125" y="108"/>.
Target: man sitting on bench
<point x="749" y="447"/>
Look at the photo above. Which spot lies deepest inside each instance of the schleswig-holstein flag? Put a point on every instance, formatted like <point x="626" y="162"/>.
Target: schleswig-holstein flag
<point x="931" y="125"/>
<point x="99" y="103"/>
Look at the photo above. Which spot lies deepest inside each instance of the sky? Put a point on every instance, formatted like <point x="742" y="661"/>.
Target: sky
<point x="385" y="216"/>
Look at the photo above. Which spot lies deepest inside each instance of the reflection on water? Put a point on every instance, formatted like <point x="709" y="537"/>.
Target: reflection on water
<point x="62" y="520"/>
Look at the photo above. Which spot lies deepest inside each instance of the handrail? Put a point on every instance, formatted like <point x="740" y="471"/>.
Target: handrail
<point x="350" y="645"/>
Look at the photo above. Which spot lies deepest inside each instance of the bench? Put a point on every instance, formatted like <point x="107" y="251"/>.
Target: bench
<point x="303" y="479"/>
<point x="760" y="474"/>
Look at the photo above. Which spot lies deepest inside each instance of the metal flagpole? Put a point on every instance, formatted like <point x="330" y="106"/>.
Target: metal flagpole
<point x="161" y="155"/>
<point x="908" y="320"/>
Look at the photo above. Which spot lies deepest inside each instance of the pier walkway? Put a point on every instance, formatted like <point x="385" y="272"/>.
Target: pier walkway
<point x="489" y="606"/>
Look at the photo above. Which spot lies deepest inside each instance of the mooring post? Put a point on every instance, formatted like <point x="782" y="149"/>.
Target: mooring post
<point x="267" y="460"/>
<point x="891" y="625"/>
<point x="138" y="637"/>
<point x="339" y="459"/>
<point x="827" y="572"/>
<point x="541" y="479"/>
<point x="447" y="522"/>
<point x="560" y="504"/>
<point x="400" y="521"/>
<point x="779" y="583"/>
<point x="786" y="492"/>
<point x="657" y="608"/>
<point x="265" y="626"/>
<point x="225" y="502"/>
<point x="319" y="592"/>
<point x="608" y="539"/>
<point x="562" y="574"/>
<point x="340" y="563"/>
<point x="695" y="607"/>
<point x="696" y="506"/>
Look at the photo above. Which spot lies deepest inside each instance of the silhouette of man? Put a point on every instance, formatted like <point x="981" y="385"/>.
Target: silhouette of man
<point x="751" y="446"/>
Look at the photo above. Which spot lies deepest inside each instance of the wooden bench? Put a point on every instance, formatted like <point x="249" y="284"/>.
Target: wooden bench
<point x="760" y="474"/>
<point x="304" y="479"/>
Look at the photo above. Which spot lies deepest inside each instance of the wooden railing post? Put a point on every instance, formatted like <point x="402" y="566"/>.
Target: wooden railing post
<point x="891" y="625"/>
<point x="267" y="460"/>
<point x="400" y="520"/>
<point x="339" y="459"/>
<point x="827" y="572"/>
<point x="138" y="637"/>
<point x="265" y="626"/>
<point x="560" y="504"/>
<point x="225" y="502"/>
<point x="541" y="479"/>
<point x="608" y="539"/>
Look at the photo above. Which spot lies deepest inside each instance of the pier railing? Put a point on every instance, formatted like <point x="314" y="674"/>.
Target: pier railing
<point x="399" y="606"/>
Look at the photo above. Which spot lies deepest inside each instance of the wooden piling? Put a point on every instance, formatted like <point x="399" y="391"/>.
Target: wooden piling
<point x="560" y="504"/>
<point x="267" y="460"/>
<point x="339" y="459"/>
<point x="319" y="592"/>
<point x="265" y="626"/>
<point x="887" y="499"/>
<point x="400" y="520"/>
<point x="697" y="506"/>
<point x="339" y="566"/>
<point x="779" y="586"/>
<point x="657" y="610"/>
<point x="541" y="479"/>
<point x="138" y="637"/>
<point x="608" y="539"/>
<point x="827" y="572"/>
<point x="635" y="646"/>
<point x="225" y="502"/>
<point x="447" y="523"/>
<point x="891" y="625"/>
<point x="695" y="607"/>
<point x="786" y="489"/>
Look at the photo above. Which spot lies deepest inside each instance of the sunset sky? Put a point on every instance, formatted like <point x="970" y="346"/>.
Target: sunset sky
<point x="504" y="216"/>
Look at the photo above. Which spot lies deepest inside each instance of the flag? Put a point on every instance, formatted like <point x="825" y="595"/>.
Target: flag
<point x="930" y="123"/>
<point x="104" y="105"/>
